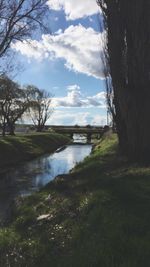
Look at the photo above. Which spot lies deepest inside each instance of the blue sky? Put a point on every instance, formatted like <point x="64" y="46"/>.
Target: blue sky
<point x="67" y="62"/>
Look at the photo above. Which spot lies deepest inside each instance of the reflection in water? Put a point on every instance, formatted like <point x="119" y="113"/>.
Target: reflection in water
<point x="80" y="138"/>
<point x="35" y="174"/>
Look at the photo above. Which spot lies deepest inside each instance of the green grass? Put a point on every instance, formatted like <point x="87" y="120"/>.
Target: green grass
<point x="15" y="149"/>
<point x="97" y="216"/>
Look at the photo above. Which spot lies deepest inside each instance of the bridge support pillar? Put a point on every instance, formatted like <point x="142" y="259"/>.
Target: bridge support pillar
<point x="71" y="135"/>
<point x="89" y="137"/>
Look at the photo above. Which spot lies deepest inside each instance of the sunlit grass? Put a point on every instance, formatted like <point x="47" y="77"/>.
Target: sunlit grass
<point x="16" y="149"/>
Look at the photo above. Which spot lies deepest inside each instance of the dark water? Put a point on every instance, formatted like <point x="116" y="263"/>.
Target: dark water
<point x="35" y="174"/>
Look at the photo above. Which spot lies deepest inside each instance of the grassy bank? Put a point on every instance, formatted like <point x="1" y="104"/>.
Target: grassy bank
<point x="15" y="149"/>
<point x="99" y="215"/>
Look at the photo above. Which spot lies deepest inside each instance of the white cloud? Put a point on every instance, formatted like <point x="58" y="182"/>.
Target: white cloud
<point x="98" y="120"/>
<point x="97" y="100"/>
<point x="80" y="47"/>
<point x="62" y="117"/>
<point x="31" y="49"/>
<point x="74" y="98"/>
<point x="75" y="9"/>
<point x="59" y="31"/>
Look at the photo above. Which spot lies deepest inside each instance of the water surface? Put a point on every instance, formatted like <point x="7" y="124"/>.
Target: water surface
<point x="34" y="175"/>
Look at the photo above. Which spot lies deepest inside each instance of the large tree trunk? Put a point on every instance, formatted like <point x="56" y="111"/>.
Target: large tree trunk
<point x="4" y="129"/>
<point x="11" y="128"/>
<point x="138" y="126"/>
<point x="39" y="127"/>
<point x="128" y="45"/>
<point x="138" y="89"/>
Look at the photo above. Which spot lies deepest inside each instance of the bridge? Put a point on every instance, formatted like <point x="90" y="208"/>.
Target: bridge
<point x="85" y="130"/>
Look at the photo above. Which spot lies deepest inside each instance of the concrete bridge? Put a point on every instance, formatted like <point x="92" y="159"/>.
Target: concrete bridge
<point x="85" y="130"/>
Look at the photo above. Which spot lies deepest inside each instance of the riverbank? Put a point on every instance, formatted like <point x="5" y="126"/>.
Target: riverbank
<point x="98" y="215"/>
<point x="20" y="148"/>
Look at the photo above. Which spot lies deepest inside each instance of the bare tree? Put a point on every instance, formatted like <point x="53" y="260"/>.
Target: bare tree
<point x="41" y="109"/>
<point x="18" y="20"/>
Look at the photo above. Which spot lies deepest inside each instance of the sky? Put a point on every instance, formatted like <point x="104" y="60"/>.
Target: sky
<point x="67" y="62"/>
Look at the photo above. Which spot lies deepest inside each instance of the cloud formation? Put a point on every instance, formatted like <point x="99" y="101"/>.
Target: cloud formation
<point x="62" y="117"/>
<point x="80" y="47"/>
<point x="74" y="98"/>
<point x="75" y="9"/>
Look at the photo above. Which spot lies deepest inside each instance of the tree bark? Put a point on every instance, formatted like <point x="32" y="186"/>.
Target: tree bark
<point x="40" y="128"/>
<point x="11" y="129"/>
<point x="128" y="47"/>
<point x="4" y="129"/>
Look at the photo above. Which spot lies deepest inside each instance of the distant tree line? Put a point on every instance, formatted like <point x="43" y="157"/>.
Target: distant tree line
<point x="15" y="102"/>
<point x="127" y="53"/>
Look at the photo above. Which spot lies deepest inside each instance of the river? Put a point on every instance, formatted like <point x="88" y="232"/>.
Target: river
<point x="32" y="176"/>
